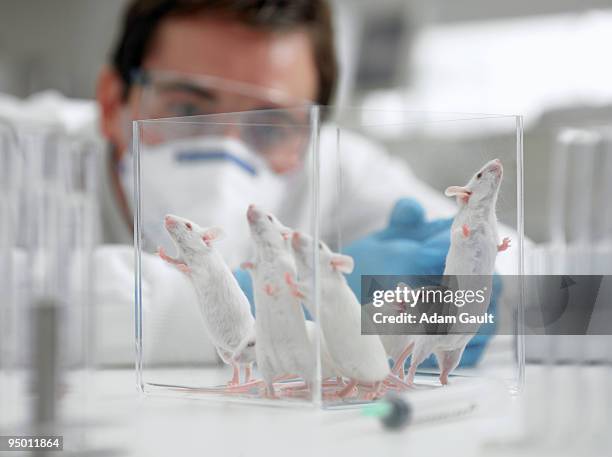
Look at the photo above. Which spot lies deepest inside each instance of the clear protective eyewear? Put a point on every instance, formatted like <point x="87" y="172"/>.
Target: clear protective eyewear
<point x="165" y="94"/>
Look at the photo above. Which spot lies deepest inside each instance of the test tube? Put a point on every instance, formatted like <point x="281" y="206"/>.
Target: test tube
<point x="573" y="166"/>
<point x="8" y="184"/>
<point x="43" y="200"/>
<point x="7" y="161"/>
<point x="581" y="184"/>
<point x="606" y="191"/>
<point x="558" y="184"/>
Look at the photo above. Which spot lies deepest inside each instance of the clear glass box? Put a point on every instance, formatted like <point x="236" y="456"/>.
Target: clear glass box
<point x="329" y="174"/>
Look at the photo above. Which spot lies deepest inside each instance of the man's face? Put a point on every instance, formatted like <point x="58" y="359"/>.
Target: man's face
<point x="222" y="48"/>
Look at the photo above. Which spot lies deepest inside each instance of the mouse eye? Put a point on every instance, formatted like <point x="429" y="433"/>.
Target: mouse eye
<point x="270" y="218"/>
<point x="188" y="225"/>
<point x="251" y="344"/>
<point x="479" y="175"/>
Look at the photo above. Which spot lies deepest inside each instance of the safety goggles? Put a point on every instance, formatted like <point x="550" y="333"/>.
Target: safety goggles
<point x="268" y="120"/>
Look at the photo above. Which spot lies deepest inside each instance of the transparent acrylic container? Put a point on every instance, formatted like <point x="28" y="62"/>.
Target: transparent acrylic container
<point x="330" y="175"/>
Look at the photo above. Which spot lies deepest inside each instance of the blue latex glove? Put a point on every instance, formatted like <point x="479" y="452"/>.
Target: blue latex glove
<point x="407" y="246"/>
<point x="246" y="284"/>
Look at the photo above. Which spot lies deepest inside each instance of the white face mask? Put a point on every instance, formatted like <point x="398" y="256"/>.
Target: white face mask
<point x="210" y="180"/>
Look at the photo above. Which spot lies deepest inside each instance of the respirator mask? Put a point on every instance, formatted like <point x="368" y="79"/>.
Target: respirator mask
<point x="209" y="180"/>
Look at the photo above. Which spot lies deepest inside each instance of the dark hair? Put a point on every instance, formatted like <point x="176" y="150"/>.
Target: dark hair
<point x="143" y="17"/>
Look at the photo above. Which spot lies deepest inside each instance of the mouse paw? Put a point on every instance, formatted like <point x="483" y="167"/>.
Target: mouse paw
<point x="505" y="244"/>
<point x="269" y="393"/>
<point x="247" y="265"/>
<point x="373" y="391"/>
<point x="270" y="290"/>
<point x="348" y="389"/>
<point x="295" y="291"/>
<point x="370" y="396"/>
<point x="162" y="254"/>
<point x="465" y="230"/>
<point x="183" y="267"/>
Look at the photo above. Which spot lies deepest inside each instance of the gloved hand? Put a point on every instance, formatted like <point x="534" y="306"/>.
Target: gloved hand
<point x="410" y="245"/>
<point x="407" y="246"/>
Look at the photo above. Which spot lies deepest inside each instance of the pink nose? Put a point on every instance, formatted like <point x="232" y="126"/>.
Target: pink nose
<point x="252" y="213"/>
<point x="169" y="222"/>
<point x="497" y="165"/>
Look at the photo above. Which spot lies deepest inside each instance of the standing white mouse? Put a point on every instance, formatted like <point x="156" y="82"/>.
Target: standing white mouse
<point x="361" y="358"/>
<point x="283" y="347"/>
<point x="305" y="275"/>
<point x="473" y="250"/>
<point x="225" y="308"/>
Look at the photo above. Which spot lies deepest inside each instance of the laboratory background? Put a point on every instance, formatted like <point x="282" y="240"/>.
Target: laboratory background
<point x="104" y="339"/>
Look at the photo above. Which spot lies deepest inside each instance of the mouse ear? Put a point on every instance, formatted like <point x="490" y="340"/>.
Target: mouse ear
<point x="456" y="191"/>
<point x="342" y="263"/>
<point x="213" y="234"/>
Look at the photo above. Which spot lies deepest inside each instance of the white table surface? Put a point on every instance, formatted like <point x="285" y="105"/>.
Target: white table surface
<point x="121" y="419"/>
<point x="165" y="426"/>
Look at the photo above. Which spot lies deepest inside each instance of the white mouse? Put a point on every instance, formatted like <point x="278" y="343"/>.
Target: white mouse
<point x="397" y="347"/>
<point x="361" y="358"/>
<point x="473" y="249"/>
<point x="283" y="347"/>
<point x="225" y="308"/>
<point x="305" y="275"/>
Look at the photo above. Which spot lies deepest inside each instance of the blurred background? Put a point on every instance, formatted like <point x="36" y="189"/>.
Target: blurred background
<point x="546" y="60"/>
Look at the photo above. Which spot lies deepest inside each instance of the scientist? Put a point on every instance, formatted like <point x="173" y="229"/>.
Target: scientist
<point x="190" y="57"/>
